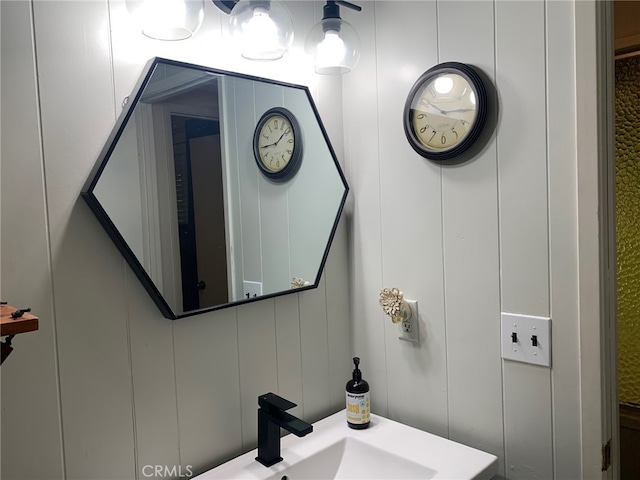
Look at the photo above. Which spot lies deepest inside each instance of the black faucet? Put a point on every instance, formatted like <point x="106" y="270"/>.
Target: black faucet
<point x="272" y="416"/>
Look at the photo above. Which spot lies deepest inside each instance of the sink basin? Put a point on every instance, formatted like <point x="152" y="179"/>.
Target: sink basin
<point x="386" y="450"/>
<point x="343" y="460"/>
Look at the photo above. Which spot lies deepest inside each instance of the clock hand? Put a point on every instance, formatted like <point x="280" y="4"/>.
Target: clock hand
<point x="283" y="134"/>
<point x="459" y="110"/>
<point x="427" y="103"/>
<point x="274" y="143"/>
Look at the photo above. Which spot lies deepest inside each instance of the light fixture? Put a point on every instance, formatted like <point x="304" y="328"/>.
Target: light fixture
<point x="334" y="43"/>
<point x="167" y="19"/>
<point x="263" y="29"/>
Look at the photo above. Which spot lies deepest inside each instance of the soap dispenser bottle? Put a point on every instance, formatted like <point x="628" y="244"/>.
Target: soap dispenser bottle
<point x="358" y="406"/>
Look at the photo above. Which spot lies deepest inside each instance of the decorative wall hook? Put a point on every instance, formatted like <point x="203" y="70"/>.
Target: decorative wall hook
<point x="18" y="313"/>
<point x="393" y="303"/>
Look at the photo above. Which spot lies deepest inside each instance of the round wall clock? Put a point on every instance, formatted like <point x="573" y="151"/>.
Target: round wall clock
<point x="277" y="143"/>
<point x="445" y="111"/>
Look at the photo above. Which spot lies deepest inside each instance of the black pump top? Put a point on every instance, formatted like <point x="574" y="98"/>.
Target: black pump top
<point x="357" y="374"/>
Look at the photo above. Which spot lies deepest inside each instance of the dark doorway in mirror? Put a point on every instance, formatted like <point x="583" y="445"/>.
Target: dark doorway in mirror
<point x="201" y="219"/>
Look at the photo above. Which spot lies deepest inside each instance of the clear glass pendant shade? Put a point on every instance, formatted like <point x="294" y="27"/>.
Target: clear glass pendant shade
<point x="167" y="19"/>
<point x="334" y="45"/>
<point x="263" y="29"/>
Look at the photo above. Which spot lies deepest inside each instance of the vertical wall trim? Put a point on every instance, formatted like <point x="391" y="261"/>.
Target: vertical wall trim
<point x="444" y="253"/>
<point x="548" y="198"/>
<point x="496" y="106"/>
<point x="125" y="277"/>
<point x="589" y="147"/>
<point x="379" y="165"/>
<point x="438" y="56"/>
<point x="111" y="60"/>
<point x="300" y="337"/>
<point x="47" y="226"/>
<point x="275" y="330"/>
<point x="130" y="359"/>
<point x="607" y="202"/>
<point x="175" y="382"/>
<point x="240" y="422"/>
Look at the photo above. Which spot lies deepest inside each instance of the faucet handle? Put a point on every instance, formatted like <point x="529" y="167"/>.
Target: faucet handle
<point x="271" y="401"/>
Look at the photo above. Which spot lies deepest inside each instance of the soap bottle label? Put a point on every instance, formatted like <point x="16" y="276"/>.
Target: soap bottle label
<point x="358" y="409"/>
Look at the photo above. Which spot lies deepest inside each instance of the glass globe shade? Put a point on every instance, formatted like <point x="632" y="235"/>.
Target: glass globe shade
<point x="262" y="29"/>
<point x="167" y="19"/>
<point x="334" y="45"/>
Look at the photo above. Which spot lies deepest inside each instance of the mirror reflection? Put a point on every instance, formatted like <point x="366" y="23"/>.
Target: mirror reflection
<point x="179" y="190"/>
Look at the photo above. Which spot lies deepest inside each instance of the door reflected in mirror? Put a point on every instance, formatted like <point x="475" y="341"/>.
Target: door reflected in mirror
<point x="178" y="189"/>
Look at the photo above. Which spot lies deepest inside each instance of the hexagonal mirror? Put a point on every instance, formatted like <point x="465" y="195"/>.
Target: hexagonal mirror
<point x="218" y="188"/>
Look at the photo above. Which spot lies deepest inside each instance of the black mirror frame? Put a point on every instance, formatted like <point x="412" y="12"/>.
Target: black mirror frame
<point x="106" y="222"/>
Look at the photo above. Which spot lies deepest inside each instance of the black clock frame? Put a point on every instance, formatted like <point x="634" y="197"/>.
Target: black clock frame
<point x="475" y="81"/>
<point x="296" y="157"/>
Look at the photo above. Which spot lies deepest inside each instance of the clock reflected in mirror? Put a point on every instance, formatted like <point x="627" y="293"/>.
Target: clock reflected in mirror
<point x="277" y="143"/>
<point x="445" y="111"/>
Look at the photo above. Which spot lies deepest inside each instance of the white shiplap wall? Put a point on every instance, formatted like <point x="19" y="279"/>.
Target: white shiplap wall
<point x="107" y="385"/>
<point x="113" y="386"/>
<point x="472" y="239"/>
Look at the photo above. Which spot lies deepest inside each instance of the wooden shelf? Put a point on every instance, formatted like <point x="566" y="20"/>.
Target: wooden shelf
<point x="13" y="326"/>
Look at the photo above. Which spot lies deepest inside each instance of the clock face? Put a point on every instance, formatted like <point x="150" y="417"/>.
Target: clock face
<point x="444" y="112"/>
<point x="277" y="143"/>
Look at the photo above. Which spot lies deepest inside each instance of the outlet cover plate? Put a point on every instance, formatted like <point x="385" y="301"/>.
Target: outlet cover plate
<point x="409" y="329"/>
<point x="525" y="327"/>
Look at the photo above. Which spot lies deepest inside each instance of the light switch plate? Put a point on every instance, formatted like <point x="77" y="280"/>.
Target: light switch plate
<point x="252" y="289"/>
<point x="526" y="338"/>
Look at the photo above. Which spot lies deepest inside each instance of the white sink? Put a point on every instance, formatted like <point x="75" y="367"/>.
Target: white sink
<point x="386" y="450"/>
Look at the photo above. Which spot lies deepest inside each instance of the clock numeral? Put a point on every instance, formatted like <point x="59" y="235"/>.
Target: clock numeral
<point x="290" y="140"/>
<point x="455" y="133"/>
<point x="443" y="139"/>
<point x="425" y="128"/>
<point x="289" y="152"/>
<point x="275" y="124"/>
<point x="434" y="134"/>
<point x="265" y="136"/>
<point x="420" y="116"/>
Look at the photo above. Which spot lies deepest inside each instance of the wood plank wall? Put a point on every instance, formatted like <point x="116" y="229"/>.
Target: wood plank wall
<point x="114" y="386"/>
<point x="469" y="240"/>
<point x="108" y="386"/>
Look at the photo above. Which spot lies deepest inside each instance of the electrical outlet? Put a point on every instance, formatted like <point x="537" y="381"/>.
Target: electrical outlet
<point x="252" y="289"/>
<point x="409" y="328"/>
<point x="526" y="338"/>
